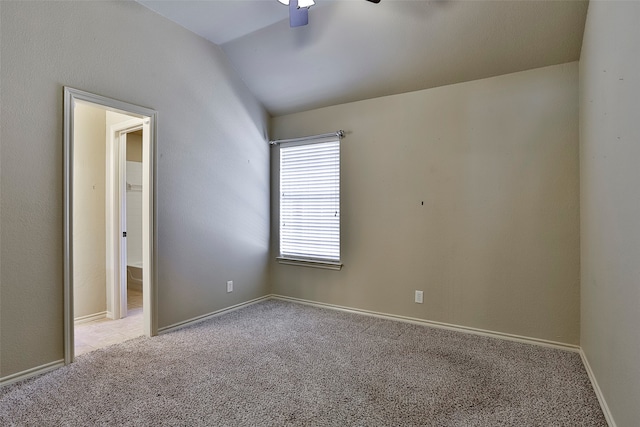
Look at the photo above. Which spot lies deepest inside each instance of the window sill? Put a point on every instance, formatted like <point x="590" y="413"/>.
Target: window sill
<point x="327" y="265"/>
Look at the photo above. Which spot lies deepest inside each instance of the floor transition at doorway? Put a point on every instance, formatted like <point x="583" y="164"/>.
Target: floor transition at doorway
<point x="105" y="332"/>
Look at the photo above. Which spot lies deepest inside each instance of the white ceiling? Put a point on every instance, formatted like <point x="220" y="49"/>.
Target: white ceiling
<point x="353" y="49"/>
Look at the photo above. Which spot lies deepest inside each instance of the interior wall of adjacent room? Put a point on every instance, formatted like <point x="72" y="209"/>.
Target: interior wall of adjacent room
<point x="212" y="163"/>
<point x="610" y="204"/>
<point x="134" y="146"/>
<point x="89" y="246"/>
<point x="468" y="192"/>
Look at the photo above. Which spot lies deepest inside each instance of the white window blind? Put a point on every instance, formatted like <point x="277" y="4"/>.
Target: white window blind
<point x="310" y="201"/>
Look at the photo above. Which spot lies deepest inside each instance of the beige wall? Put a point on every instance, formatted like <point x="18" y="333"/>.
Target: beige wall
<point x="496" y="243"/>
<point x="211" y="156"/>
<point x="610" y="203"/>
<point x="89" y="246"/>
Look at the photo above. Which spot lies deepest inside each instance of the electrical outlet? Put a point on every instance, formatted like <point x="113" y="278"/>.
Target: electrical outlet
<point x="230" y="286"/>
<point x="419" y="295"/>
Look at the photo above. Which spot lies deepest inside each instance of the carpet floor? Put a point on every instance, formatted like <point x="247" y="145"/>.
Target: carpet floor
<point x="277" y="363"/>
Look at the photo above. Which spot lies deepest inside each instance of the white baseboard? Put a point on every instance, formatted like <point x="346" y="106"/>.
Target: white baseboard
<point x="441" y="325"/>
<point x="207" y="316"/>
<point x="89" y="318"/>
<point x="32" y="372"/>
<point x="597" y="390"/>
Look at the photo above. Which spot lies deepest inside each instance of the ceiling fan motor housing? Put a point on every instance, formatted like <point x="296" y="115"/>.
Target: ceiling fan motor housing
<point x="299" y="15"/>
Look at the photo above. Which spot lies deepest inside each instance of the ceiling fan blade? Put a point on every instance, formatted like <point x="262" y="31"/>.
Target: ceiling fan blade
<point x="374" y="1"/>
<point x="298" y="17"/>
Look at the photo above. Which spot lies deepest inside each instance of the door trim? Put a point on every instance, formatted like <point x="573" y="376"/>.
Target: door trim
<point x="71" y="96"/>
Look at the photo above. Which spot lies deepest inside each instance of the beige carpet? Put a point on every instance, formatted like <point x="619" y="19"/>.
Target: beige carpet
<point x="283" y="364"/>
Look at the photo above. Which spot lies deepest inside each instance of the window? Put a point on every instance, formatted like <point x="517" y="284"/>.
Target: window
<point x="310" y="203"/>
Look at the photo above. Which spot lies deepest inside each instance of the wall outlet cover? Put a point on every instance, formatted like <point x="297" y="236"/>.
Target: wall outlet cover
<point x="419" y="297"/>
<point x="230" y="286"/>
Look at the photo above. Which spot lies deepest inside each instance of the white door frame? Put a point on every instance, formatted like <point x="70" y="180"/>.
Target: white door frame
<point x="149" y="252"/>
<point x="116" y="214"/>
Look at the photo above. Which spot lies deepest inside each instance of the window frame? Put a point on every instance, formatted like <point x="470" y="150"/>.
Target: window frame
<point x="310" y="261"/>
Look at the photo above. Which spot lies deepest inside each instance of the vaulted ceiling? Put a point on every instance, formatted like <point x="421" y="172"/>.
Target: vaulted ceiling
<point x="353" y="49"/>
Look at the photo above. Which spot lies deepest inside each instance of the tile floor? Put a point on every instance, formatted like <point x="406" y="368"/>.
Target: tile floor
<point x="104" y="332"/>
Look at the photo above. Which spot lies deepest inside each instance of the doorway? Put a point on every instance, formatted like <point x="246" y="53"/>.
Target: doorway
<point x="99" y="262"/>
